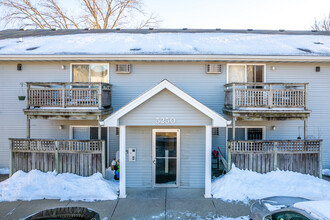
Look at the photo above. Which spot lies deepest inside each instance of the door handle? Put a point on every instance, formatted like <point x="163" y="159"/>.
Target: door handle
<point x="154" y="161"/>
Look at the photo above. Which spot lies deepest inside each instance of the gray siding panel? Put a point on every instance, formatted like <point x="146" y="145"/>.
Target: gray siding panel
<point x="192" y="150"/>
<point x="165" y="104"/>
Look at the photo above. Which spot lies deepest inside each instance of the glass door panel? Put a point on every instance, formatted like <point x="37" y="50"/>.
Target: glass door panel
<point x="165" y="160"/>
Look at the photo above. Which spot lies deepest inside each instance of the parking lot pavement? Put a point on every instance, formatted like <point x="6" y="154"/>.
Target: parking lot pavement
<point x="141" y="203"/>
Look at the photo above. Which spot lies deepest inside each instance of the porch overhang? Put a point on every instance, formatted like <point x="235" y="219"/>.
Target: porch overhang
<point x="217" y="119"/>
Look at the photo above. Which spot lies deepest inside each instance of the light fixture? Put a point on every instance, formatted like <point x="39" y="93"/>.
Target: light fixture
<point x="61" y="127"/>
<point x="273" y="68"/>
<point x="19" y="67"/>
<point x="63" y="67"/>
<point x="317" y="69"/>
<point x="273" y="127"/>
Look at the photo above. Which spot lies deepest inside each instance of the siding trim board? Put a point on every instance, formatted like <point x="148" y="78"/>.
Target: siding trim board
<point x="175" y="58"/>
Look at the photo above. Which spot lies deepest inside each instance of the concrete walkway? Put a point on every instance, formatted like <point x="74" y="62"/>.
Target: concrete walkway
<point x="141" y="203"/>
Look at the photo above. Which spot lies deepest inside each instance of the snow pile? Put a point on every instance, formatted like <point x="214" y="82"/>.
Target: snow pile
<point x="4" y="170"/>
<point x="244" y="185"/>
<point x="39" y="185"/>
<point x="230" y="218"/>
<point x="169" y="43"/>
<point x="326" y="172"/>
<point x="318" y="209"/>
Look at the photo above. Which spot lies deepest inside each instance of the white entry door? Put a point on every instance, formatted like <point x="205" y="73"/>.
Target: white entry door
<point x="166" y="157"/>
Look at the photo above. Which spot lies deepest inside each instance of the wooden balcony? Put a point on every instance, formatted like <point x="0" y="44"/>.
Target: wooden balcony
<point x="266" y="100"/>
<point x="263" y="156"/>
<point x="58" y="99"/>
<point x="82" y="157"/>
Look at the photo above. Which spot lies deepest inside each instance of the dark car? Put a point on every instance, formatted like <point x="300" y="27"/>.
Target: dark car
<point x="279" y="208"/>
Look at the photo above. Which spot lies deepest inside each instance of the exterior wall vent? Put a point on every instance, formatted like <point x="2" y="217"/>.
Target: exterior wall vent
<point x="213" y="68"/>
<point x="123" y="68"/>
<point x="215" y="131"/>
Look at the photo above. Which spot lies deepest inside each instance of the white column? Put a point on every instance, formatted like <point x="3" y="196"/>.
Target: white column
<point x="122" y="158"/>
<point x="208" y="160"/>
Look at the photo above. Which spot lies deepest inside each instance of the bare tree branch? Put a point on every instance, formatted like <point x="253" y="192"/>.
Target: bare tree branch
<point x="96" y="14"/>
<point x="323" y="25"/>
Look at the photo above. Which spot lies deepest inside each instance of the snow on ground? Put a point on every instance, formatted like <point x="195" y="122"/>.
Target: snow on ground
<point x="4" y="170"/>
<point x="39" y="185"/>
<point x="318" y="209"/>
<point x="244" y="185"/>
<point x="326" y="172"/>
<point x="169" y="43"/>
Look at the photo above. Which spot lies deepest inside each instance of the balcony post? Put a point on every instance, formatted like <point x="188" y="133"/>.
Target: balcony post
<point x="10" y="158"/>
<point x="305" y="128"/>
<point x="56" y="156"/>
<point x="234" y="96"/>
<point x="270" y="96"/>
<point x="28" y="127"/>
<point x="103" y="159"/>
<point x="100" y="96"/>
<point x="275" y="155"/>
<point x="99" y="128"/>
<point x="63" y="95"/>
<point x="229" y="156"/>
<point x="27" y="95"/>
<point x="320" y="160"/>
<point x="306" y="96"/>
<point x="234" y="129"/>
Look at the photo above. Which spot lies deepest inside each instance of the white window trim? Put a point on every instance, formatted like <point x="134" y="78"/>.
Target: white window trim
<point x="84" y="126"/>
<point x="246" y="64"/>
<point x="264" y="136"/>
<point x="71" y="72"/>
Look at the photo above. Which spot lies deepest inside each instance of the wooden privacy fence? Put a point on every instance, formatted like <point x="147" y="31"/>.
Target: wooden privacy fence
<point x="268" y="95"/>
<point x="68" y="95"/>
<point x="82" y="157"/>
<point x="304" y="156"/>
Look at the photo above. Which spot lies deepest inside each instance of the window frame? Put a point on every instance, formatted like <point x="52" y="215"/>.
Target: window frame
<point x="89" y="64"/>
<point x="245" y="72"/>
<point x="246" y="130"/>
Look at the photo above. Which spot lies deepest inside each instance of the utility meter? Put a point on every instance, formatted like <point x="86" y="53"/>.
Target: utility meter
<point x="131" y="154"/>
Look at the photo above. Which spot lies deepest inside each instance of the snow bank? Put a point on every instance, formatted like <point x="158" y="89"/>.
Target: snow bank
<point x="4" y="170"/>
<point x="244" y="185"/>
<point x="326" y="172"/>
<point x="318" y="209"/>
<point x="169" y="43"/>
<point x="39" y="185"/>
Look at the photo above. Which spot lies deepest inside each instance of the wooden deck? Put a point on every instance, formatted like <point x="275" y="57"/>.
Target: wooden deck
<point x="59" y="99"/>
<point x="267" y="100"/>
<point x="263" y="156"/>
<point x="82" y="157"/>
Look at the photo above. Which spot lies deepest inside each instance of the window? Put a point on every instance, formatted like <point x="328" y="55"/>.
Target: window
<point x="287" y="215"/>
<point x="254" y="133"/>
<point x="213" y="68"/>
<point x="215" y="131"/>
<point x="90" y="73"/>
<point x="123" y="68"/>
<point x="245" y="73"/>
<point x="247" y="133"/>
<point x="88" y="133"/>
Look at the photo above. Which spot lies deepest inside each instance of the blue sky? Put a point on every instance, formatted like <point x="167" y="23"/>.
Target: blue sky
<point x="239" y="14"/>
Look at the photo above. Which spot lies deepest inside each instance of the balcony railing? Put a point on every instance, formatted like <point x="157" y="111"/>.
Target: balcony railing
<point x="281" y="146"/>
<point x="304" y="156"/>
<point x="82" y="157"/>
<point x="64" y="95"/>
<point x="266" y="95"/>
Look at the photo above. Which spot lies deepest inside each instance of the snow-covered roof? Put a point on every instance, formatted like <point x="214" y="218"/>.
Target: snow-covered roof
<point x="165" y="42"/>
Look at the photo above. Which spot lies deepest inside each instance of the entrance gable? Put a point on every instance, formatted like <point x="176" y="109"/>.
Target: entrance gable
<point x="217" y="119"/>
<point x="165" y="108"/>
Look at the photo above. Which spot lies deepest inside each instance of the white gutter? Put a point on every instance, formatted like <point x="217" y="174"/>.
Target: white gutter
<point x="195" y="58"/>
